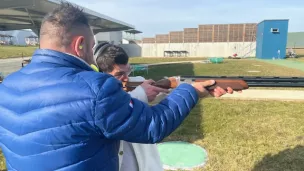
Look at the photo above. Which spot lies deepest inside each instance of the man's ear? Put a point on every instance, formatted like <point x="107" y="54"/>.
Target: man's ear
<point x="79" y="46"/>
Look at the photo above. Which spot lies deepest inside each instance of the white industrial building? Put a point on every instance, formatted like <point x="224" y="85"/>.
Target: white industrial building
<point x="19" y="37"/>
<point x="213" y="40"/>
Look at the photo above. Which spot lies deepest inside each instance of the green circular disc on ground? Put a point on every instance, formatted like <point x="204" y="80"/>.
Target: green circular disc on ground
<point x="181" y="155"/>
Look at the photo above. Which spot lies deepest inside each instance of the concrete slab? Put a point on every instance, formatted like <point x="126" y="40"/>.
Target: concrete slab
<point x="179" y="62"/>
<point x="256" y="94"/>
<point x="10" y="65"/>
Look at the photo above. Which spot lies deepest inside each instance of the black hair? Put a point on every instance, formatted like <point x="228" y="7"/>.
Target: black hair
<point x="62" y="20"/>
<point x="107" y="55"/>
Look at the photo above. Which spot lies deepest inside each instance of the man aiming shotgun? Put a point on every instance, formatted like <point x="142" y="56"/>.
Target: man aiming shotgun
<point x="113" y="60"/>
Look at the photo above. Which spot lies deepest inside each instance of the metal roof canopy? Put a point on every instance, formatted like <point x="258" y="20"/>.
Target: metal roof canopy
<point x="28" y="14"/>
<point x="133" y="31"/>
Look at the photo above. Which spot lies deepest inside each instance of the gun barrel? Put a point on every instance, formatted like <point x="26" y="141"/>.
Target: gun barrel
<point x="275" y="84"/>
<point x="249" y="79"/>
<point x="235" y="82"/>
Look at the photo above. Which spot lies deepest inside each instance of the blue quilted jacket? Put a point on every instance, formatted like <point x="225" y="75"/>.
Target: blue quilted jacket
<point x="58" y="114"/>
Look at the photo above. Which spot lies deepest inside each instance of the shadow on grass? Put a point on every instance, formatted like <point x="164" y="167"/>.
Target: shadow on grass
<point x="287" y="160"/>
<point x="192" y="127"/>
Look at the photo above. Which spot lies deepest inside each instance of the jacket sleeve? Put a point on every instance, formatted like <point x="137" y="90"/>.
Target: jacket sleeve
<point x="120" y="117"/>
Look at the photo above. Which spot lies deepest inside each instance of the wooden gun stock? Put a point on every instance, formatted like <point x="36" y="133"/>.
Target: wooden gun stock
<point x="172" y="83"/>
<point x="236" y="85"/>
<point x="163" y="83"/>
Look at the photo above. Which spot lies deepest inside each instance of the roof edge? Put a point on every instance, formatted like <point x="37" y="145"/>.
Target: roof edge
<point x="273" y="20"/>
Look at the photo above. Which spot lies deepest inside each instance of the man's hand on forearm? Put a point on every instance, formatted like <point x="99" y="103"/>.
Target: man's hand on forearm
<point x="203" y="92"/>
<point x="152" y="91"/>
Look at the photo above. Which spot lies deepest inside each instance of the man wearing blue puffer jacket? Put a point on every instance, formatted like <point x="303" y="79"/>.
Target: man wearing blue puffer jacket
<point x="56" y="113"/>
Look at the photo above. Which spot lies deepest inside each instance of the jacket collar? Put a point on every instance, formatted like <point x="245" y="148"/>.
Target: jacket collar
<point x="60" y="58"/>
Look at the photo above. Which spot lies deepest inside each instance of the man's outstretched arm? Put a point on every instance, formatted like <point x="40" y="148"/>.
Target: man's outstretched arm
<point x="120" y="117"/>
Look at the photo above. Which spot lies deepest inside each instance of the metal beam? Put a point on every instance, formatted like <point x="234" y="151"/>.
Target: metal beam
<point x="15" y="19"/>
<point x="30" y="17"/>
<point x="20" y="16"/>
<point x="26" y="10"/>
<point x="13" y="24"/>
<point x="15" y="27"/>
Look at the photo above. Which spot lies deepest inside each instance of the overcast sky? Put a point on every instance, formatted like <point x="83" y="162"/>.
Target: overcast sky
<point x="161" y="16"/>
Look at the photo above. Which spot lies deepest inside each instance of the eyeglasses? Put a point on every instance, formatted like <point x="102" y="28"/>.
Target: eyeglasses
<point x="121" y="74"/>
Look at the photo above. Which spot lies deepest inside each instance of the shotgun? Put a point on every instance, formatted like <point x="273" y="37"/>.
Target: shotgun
<point x="235" y="82"/>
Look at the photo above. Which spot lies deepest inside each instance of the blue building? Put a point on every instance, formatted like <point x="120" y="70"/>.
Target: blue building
<point x="271" y="39"/>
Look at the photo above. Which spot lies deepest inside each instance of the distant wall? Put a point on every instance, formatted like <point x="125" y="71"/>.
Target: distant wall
<point x="218" y="49"/>
<point x="133" y="50"/>
<point x="205" y="41"/>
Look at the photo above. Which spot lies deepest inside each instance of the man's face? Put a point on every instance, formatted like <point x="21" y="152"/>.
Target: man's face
<point x="121" y="72"/>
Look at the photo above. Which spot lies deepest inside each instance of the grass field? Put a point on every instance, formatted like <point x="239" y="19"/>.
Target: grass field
<point x="16" y="51"/>
<point x="230" y="67"/>
<point x="239" y="135"/>
<point x="247" y="135"/>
